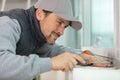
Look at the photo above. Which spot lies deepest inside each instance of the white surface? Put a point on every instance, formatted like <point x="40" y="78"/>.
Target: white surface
<point x="95" y="73"/>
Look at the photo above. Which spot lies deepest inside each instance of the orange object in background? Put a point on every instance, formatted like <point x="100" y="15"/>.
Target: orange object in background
<point x="87" y="52"/>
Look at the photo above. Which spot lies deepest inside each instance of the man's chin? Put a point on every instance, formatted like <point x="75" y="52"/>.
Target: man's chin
<point x="51" y="43"/>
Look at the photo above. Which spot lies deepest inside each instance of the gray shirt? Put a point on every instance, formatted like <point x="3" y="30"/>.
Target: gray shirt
<point x="16" y="67"/>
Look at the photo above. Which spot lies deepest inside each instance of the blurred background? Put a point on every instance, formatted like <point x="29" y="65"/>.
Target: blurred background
<point x="97" y="18"/>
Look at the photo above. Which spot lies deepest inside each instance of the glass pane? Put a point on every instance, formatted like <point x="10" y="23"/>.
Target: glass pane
<point x="102" y="23"/>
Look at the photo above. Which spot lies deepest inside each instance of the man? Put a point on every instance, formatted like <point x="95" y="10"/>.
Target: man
<point x="27" y="41"/>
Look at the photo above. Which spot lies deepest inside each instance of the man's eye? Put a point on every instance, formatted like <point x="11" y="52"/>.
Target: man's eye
<point x="66" y="26"/>
<point x="59" y="22"/>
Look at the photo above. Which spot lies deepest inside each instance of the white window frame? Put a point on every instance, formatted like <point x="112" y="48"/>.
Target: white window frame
<point x="86" y="35"/>
<point x="117" y="27"/>
<point x="86" y="22"/>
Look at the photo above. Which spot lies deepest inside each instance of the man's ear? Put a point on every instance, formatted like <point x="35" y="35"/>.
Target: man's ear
<point x="40" y="14"/>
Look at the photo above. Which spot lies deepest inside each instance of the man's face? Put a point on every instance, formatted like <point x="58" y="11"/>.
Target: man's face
<point x="52" y="27"/>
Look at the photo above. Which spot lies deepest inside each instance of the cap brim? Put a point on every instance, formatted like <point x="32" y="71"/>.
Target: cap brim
<point x="75" y="24"/>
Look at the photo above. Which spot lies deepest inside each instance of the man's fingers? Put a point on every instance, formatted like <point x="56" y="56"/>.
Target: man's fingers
<point x="72" y="63"/>
<point x="66" y="68"/>
<point x="78" y="58"/>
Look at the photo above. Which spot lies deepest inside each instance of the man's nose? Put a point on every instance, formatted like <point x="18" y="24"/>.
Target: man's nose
<point x="61" y="30"/>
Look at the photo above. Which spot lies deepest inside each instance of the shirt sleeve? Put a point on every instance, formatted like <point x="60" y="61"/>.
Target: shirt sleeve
<point x="56" y="49"/>
<point x="16" y="67"/>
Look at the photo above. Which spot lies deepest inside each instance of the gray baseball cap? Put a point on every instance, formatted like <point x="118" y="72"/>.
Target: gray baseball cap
<point x="61" y="8"/>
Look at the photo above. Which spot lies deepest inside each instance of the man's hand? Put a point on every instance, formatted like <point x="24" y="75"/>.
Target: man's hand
<point x="66" y="61"/>
<point x="96" y="60"/>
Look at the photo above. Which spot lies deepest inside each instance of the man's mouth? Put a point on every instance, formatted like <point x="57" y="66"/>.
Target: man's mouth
<point x="56" y="35"/>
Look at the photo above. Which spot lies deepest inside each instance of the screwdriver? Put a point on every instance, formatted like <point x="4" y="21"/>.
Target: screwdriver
<point x="91" y="63"/>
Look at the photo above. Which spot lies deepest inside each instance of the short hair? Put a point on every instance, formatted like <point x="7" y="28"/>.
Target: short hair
<point x="47" y="12"/>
